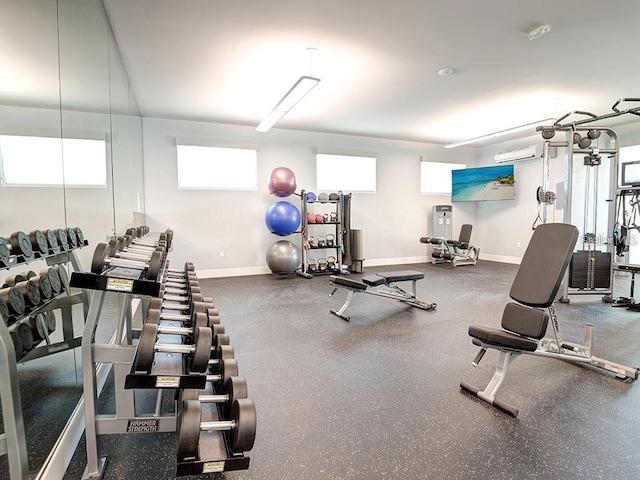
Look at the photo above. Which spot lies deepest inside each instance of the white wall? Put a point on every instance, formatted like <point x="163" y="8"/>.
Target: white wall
<point x="205" y="222"/>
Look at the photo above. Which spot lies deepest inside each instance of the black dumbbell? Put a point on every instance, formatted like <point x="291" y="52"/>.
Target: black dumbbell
<point x="54" y="279"/>
<point x="43" y="324"/>
<point x="194" y="307"/>
<point x="198" y="353"/>
<point x="101" y="260"/>
<point x="219" y="337"/>
<point x="240" y="430"/>
<point x="5" y="252"/>
<point x="231" y="390"/>
<point x="13" y="300"/>
<point x="26" y="336"/>
<point x="30" y="292"/>
<point x="63" y="276"/>
<point x="52" y="240"/>
<point x="21" y="244"/>
<point x="39" y="242"/>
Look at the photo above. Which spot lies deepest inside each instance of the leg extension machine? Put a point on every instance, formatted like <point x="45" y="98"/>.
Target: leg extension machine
<point x="524" y="324"/>
<point x="382" y="285"/>
<point x="456" y="252"/>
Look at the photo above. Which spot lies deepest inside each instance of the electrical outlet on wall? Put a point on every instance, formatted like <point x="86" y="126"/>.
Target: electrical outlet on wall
<point x="221" y="253"/>
<point x="518" y="244"/>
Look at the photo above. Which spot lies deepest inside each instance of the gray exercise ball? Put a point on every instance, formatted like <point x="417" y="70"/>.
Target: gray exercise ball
<point x="283" y="257"/>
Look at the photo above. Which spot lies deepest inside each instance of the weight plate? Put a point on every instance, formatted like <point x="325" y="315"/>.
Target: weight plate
<point x="61" y="235"/>
<point x="189" y="267"/>
<point x="189" y="430"/>
<point x="146" y="348"/>
<point x="169" y="238"/>
<point x="20" y="244"/>
<point x="225" y="352"/>
<point x="127" y="239"/>
<point x="130" y="231"/>
<point x="99" y="258"/>
<point x="17" y="345"/>
<point x="213" y="319"/>
<point x="41" y="326"/>
<point x="15" y="301"/>
<point x="31" y="292"/>
<point x="243" y="412"/>
<point x="221" y="339"/>
<point x="5" y="253"/>
<point x="155" y="303"/>
<point x="114" y="247"/>
<point x="52" y="240"/>
<point x="200" y="357"/>
<point x="228" y="368"/>
<point x="200" y="320"/>
<point x="189" y="394"/>
<point x="54" y="279"/>
<point x="236" y="388"/>
<point x="28" y="274"/>
<point x="26" y="336"/>
<point x="155" y="266"/>
<point x="153" y="316"/>
<point x="50" y="320"/>
<point x="64" y="278"/>
<point x="4" y="310"/>
<point x="39" y="242"/>
<point x="44" y="285"/>
<point x="14" y="279"/>
<point x="71" y="237"/>
<point x="79" y="237"/>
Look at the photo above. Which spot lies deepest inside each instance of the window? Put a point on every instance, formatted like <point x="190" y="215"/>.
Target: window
<point x="435" y="177"/>
<point x="345" y="173"/>
<point x="217" y="168"/>
<point x="45" y="161"/>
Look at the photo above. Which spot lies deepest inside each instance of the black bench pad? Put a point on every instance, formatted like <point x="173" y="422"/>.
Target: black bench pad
<point x="500" y="338"/>
<point x="373" y="279"/>
<point x="401" y="276"/>
<point x="347" y="282"/>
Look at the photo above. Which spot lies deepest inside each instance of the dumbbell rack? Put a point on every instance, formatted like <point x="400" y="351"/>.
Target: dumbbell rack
<point x="167" y="372"/>
<point x="13" y="440"/>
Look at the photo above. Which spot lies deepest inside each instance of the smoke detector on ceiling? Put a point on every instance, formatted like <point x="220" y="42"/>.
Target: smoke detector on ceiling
<point x="539" y="31"/>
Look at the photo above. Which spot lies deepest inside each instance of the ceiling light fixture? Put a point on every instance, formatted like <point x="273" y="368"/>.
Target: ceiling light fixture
<point x="296" y="93"/>
<point x="538" y="32"/>
<point x="508" y="131"/>
<point x="445" y="72"/>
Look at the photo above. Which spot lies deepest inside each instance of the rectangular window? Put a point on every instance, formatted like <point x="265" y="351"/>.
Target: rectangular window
<point x="435" y="177"/>
<point x="207" y="168"/>
<point x="46" y="161"/>
<point x="345" y="173"/>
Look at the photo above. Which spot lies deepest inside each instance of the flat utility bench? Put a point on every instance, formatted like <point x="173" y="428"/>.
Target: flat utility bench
<point x="381" y="285"/>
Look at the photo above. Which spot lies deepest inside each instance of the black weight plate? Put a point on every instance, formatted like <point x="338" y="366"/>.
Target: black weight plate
<point x="200" y="357"/>
<point x="17" y="345"/>
<point x="61" y="235"/>
<point x="155" y="266"/>
<point x="99" y="258"/>
<point x="71" y="237"/>
<point x="54" y="279"/>
<point x="14" y="300"/>
<point x="243" y="435"/>
<point x="189" y="394"/>
<point x="5" y="253"/>
<point x="50" y="320"/>
<point x="189" y="430"/>
<point x="169" y="238"/>
<point x="39" y="241"/>
<point x="153" y="316"/>
<point x="114" y="247"/>
<point x="79" y="237"/>
<point x="26" y="336"/>
<point x="4" y="310"/>
<point x="131" y="231"/>
<point x="28" y="274"/>
<point x="146" y="348"/>
<point x="236" y="388"/>
<point x="31" y="293"/>
<point x="13" y="279"/>
<point x="20" y="244"/>
<point x="52" y="240"/>
<point x="44" y="285"/>
<point x="127" y="240"/>
<point x="64" y="278"/>
<point x="41" y="327"/>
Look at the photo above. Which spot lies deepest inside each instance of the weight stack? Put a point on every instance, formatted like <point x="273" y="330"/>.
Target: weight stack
<point x="357" y="251"/>
<point x="589" y="269"/>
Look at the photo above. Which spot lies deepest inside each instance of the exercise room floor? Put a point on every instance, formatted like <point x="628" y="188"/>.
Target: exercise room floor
<point x="379" y="398"/>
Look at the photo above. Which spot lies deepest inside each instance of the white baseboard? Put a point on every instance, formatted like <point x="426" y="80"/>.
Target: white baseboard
<point x="376" y="262"/>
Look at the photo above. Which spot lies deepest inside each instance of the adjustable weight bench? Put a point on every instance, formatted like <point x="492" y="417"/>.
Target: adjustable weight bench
<point x="524" y="323"/>
<point x="381" y="285"/>
<point x="456" y="252"/>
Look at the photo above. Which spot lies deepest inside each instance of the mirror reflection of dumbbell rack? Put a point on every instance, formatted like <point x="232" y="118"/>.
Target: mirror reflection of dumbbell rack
<point x="159" y="360"/>
<point x="27" y="303"/>
<point x="321" y="247"/>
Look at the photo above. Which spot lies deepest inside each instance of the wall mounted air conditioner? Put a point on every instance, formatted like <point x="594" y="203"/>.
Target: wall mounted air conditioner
<point x="516" y="155"/>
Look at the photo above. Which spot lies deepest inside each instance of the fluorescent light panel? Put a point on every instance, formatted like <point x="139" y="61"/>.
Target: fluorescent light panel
<point x="301" y="88"/>
<point x="501" y="133"/>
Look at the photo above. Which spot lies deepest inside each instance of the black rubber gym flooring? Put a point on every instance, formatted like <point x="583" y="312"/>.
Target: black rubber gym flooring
<point x="378" y="397"/>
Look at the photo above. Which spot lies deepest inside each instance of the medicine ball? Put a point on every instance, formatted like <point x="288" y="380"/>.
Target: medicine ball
<point x="334" y="197"/>
<point x="311" y="217"/>
<point x="323" y="198"/>
<point x="311" y="197"/>
<point x="282" y="182"/>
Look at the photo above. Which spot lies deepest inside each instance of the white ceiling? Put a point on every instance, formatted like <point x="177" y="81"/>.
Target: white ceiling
<point x="231" y="61"/>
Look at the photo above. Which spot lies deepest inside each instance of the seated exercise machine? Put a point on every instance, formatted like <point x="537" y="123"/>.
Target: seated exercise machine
<point x="524" y="323"/>
<point x="381" y="285"/>
<point x="456" y="252"/>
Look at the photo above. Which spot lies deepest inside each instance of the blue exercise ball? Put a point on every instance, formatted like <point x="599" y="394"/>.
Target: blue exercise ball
<point x="282" y="218"/>
<point x="283" y="257"/>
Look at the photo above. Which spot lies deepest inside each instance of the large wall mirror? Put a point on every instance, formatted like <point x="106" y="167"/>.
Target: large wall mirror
<point x="64" y="87"/>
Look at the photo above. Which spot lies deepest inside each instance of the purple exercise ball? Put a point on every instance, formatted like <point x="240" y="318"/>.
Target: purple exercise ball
<point x="282" y="182"/>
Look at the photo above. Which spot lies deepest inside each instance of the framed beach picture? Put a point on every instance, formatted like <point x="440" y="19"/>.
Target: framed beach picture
<point x="483" y="183"/>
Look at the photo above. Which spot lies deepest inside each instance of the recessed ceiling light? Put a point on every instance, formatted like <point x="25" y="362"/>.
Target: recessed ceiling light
<point x="539" y="31"/>
<point x="443" y="72"/>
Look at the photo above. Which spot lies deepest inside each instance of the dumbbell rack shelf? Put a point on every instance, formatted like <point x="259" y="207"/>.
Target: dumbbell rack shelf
<point x="117" y="279"/>
<point x="167" y="372"/>
<point x="13" y="440"/>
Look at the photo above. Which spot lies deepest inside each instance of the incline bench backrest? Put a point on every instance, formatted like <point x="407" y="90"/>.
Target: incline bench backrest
<point x="465" y="233"/>
<point x="544" y="264"/>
